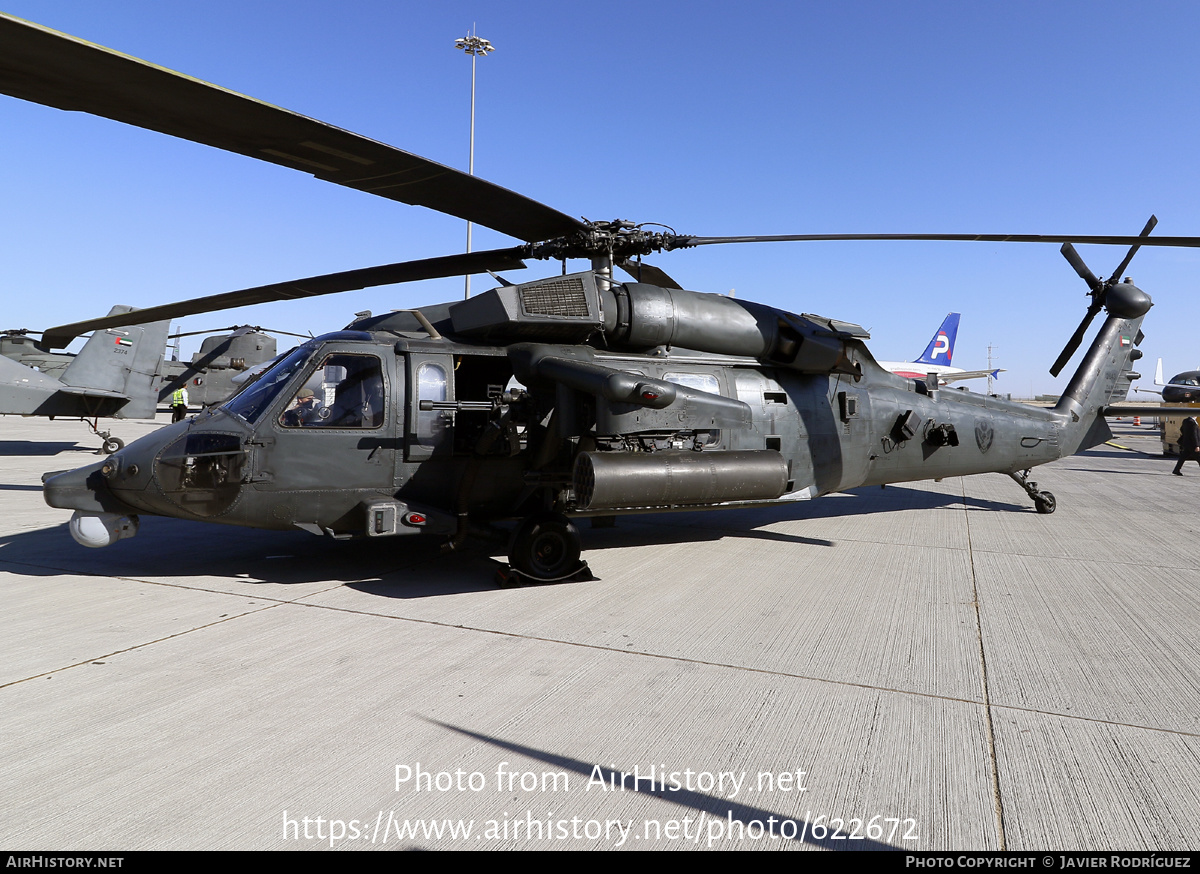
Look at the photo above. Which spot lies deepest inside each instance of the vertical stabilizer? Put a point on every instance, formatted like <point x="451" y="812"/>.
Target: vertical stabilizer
<point x="1104" y="376"/>
<point x="941" y="348"/>
<point x="123" y="360"/>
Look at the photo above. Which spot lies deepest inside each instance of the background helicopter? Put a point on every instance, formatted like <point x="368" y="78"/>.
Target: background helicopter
<point x="211" y="375"/>
<point x="123" y="373"/>
<point x="19" y="345"/>
<point x="115" y="375"/>
<point x="633" y="396"/>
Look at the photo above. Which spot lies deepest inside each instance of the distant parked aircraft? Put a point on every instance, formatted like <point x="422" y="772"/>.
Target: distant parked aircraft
<point x="1184" y="388"/>
<point x="936" y="358"/>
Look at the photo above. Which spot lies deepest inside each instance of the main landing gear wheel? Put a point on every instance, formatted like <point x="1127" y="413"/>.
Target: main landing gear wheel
<point x="113" y="444"/>
<point x="546" y="547"/>
<point x="1044" y="502"/>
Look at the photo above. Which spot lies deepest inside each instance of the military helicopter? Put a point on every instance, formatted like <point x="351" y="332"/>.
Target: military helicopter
<point x="544" y="402"/>
<point x="211" y="376"/>
<point x="121" y="373"/>
<point x="19" y="345"/>
<point x="113" y="376"/>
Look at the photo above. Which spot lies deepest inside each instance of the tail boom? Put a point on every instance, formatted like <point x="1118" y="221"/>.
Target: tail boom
<point x="1103" y="377"/>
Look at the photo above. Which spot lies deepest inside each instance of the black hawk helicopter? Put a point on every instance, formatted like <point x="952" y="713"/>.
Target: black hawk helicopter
<point x="544" y="402"/>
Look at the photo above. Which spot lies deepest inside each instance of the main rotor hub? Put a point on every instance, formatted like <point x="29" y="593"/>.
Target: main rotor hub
<point x="618" y="240"/>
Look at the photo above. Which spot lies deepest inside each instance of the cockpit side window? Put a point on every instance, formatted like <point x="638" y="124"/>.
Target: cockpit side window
<point x="249" y="403"/>
<point x="345" y="391"/>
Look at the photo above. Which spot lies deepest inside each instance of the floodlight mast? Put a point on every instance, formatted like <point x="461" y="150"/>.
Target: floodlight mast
<point x="473" y="46"/>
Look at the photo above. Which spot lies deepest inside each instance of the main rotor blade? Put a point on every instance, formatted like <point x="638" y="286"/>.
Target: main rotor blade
<point x="332" y="283"/>
<point x="65" y="72"/>
<point x="1185" y="242"/>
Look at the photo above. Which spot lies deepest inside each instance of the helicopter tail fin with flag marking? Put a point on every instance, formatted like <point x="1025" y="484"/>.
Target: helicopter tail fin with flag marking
<point x="122" y="360"/>
<point x="1105" y="374"/>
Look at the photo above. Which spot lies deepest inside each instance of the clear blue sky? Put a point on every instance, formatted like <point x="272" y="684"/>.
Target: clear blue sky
<point x="714" y="118"/>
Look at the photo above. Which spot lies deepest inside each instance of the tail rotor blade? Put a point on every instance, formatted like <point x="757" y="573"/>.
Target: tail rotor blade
<point x="1116" y="275"/>
<point x="1075" y="340"/>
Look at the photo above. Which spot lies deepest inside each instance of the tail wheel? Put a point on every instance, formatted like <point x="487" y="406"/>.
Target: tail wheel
<point x="546" y="547"/>
<point x="1045" y="503"/>
<point x="113" y="444"/>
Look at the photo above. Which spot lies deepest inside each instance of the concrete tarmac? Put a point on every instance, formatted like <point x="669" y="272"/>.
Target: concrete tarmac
<point x="932" y="666"/>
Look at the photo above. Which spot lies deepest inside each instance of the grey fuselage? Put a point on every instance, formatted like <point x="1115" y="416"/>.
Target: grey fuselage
<point x="453" y="428"/>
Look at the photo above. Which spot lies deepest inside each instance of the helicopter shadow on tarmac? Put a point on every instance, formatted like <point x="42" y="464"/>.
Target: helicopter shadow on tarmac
<point x="714" y="807"/>
<point x="36" y="449"/>
<point x="1119" y="453"/>
<point x="695" y="527"/>
<point x="178" y="552"/>
<point x="1162" y="470"/>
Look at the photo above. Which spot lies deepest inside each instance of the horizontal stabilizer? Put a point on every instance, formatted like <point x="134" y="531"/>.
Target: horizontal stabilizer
<point x="1117" y="411"/>
<point x="85" y="392"/>
<point x="957" y="376"/>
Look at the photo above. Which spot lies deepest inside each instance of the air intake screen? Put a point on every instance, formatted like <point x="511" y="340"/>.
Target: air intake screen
<point x="559" y="297"/>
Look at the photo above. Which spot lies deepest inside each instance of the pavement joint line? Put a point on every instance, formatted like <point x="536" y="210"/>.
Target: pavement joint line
<point x="997" y="798"/>
<point x="299" y="602"/>
<point x="136" y="646"/>
<point x="967" y="549"/>
<point x="749" y="669"/>
<point x="169" y="585"/>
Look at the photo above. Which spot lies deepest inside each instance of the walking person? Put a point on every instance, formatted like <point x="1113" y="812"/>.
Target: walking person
<point x="1189" y="444"/>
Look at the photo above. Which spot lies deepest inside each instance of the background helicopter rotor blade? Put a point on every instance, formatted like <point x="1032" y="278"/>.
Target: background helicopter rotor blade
<point x="313" y="286"/>
<point x="55" y="69"/>
<point x="237" y="329"/>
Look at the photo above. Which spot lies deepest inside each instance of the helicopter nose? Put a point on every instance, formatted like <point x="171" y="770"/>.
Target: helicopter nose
<point x="106" y="496"/>
<point x="81" y="489"/>
<point x="100" y="518"/>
